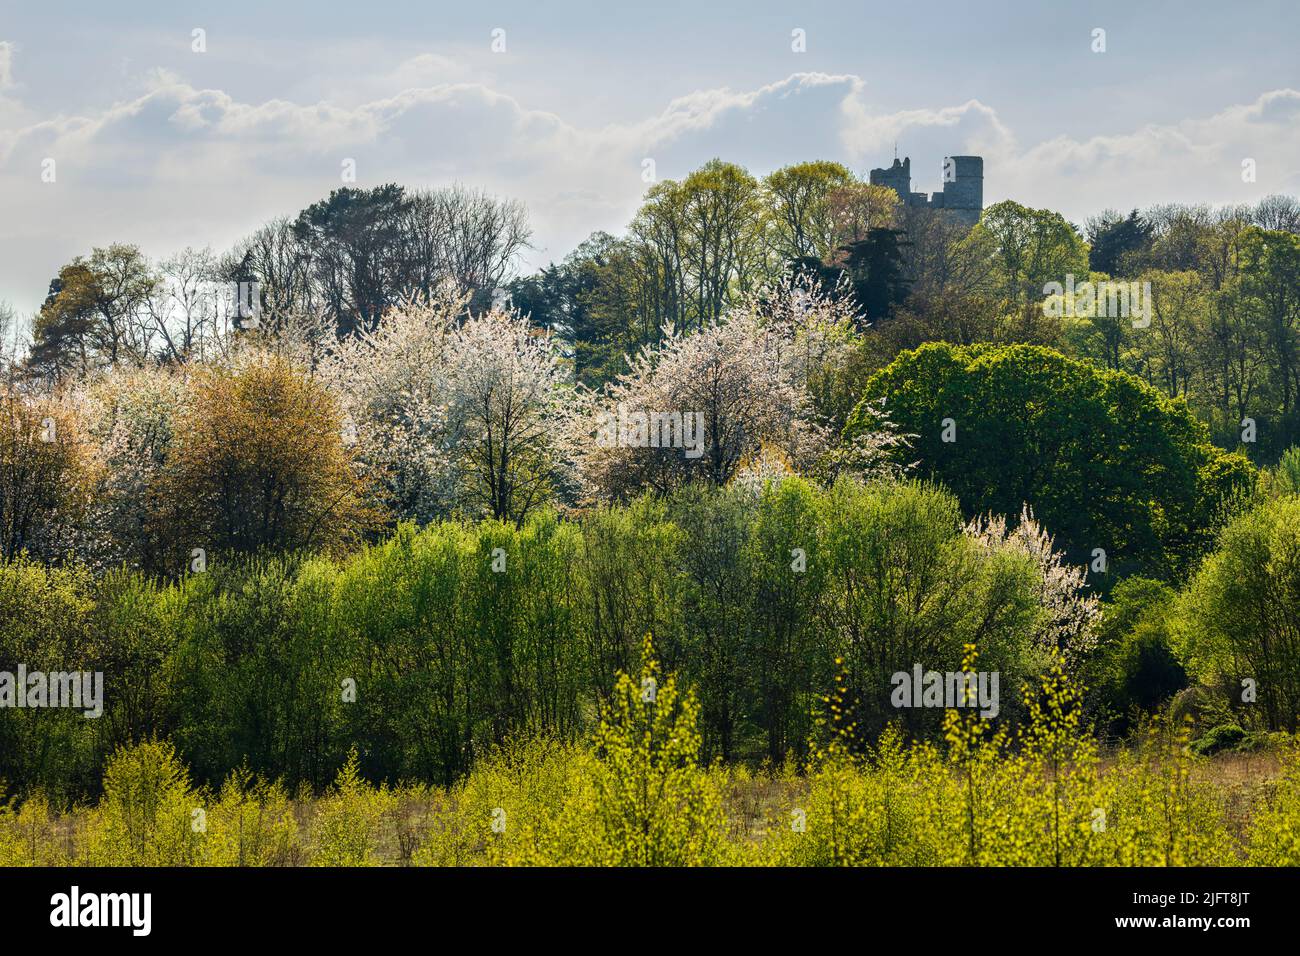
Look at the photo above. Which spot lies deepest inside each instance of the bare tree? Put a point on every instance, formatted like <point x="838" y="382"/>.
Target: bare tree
<point x="1278" y="212"/>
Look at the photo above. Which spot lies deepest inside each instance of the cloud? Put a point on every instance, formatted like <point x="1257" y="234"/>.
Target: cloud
<point x="1195" y="160"/>
<point x="182" y="165"/>
<point x="7" y="51"/>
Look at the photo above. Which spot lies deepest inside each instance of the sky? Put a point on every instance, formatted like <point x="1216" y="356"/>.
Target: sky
<point x="162" y="144"/>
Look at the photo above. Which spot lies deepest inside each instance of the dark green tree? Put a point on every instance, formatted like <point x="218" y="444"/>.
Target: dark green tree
<point x="1105" y="460"/>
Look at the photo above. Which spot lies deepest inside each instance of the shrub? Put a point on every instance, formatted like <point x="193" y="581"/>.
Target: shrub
<point x="1239" y="619"/>
<point x="348" y="829"/>
<point x="654" y="804"/>
<point x="250" y="823"/>
<point x="1220" y="738"/>
<point x="147" y="816"/>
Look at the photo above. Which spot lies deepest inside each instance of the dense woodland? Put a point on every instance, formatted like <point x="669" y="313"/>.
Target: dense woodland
<point x="339" y="497"/>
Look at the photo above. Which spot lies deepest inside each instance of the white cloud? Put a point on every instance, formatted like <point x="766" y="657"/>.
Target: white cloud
<point x="6" y="64"/>
<point x="179" y="165"/>
<point x="1196" y="160"/>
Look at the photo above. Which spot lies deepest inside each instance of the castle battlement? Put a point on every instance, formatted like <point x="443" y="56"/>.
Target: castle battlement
<point x="963" y="186"/>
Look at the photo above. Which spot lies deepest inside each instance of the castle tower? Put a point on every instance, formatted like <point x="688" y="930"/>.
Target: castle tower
<point x="897" y="177"/>
<point x="963" y="187"/>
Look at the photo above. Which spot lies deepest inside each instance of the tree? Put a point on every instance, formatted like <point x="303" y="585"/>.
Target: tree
<point x="1270" y="279"/>
<point x="1026" y="249"/>
<point x="359" y="252"/>
<point x="130" y="414"/>
<point x="61" y="334"/>
<point x="855" y="208"/>
<point x="1116" y="241"/>
<point x="603" y="302"/>
<point x="876" y="267"/>
<point x="1135" y="666"/>
<point x="704" y="234"/>
<point x="257" y="461"/>
<point x="185" y="306"/>
<point x="506" y="387"/>
<point x="907" y="587"/>
<point x="393" y="384"/>
<point x="46" y="474"/>
<point x="1239" y="619"/>
<point x="798" y="201"/>
<point x="1105" y="461"/>
<point x="355" y="236"/>
<point x="696" y="406"/>
<point x="96" y="313"/>
<point x="1277" y="213"/>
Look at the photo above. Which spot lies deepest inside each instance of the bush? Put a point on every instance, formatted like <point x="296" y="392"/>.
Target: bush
<point x="654" y="804"/>
<point x="348" y="829"/>
<point x="1239" y="619"/>
<point x="1135" y="669"/>
<point x="150" y="814"/>
<point x="1220" y="738"/>
<point x="251" y="824"/>
<point x="1105" y="460"/>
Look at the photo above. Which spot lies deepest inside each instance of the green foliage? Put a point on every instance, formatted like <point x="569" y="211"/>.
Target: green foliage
<point x="1274" y="835"/>
<point x="1239" y="620"/>
<point x="251" y="823"/>
<point x="1287" y="473"/>
<point x="1134" y="667"/>
<point x="46" y="624"/>
<point x="990" y="798"/>
<point x="1220" y="738"/>
<point x="350" y="819"/>
<point x="654" y="804"/>
<point x="147" y="816"/>
<point x="435" y="647"/>
<point x="1104" y="460"/>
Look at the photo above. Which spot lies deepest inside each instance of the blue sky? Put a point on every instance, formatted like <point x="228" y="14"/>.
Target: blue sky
<point x="163" y="146"/>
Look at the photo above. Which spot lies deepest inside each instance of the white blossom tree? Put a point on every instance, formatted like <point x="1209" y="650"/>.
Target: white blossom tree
<point x="130" y="414"/>
<point x="394" y="390"/>
<point x="742" y="383"/>
<point x="454" y="415"/>
<point x="1071" y="612"/>
<point x="508" y="413"/>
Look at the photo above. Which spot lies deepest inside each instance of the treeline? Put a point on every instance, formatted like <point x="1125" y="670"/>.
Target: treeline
<point x="427" y="651"/>
<point x="1223" y="333"/>
<point x="332" y="270"/>
<point x="440" y="643"/>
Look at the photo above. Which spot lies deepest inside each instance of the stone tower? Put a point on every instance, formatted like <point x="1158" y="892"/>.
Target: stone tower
<point x="963" y="186"/>
<point x="897" y="177"/>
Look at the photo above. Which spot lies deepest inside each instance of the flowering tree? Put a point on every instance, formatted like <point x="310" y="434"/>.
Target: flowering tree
<point x="508" y="413"/>
<point x="1071" y="613"/>
<point x="394" y="388"/>
<point x="130" y="415"/>
<point x="698" y="406"/>
<point x="46" y="474"/>
<point x="449" y="413"/>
